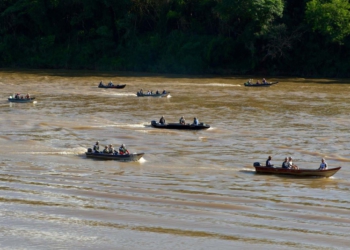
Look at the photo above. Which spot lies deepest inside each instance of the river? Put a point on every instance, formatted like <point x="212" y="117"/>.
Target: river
<point x="191" y="190"/>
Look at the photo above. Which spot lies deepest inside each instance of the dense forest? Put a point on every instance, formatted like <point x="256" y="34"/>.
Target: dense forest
<point x="272" y="37"/>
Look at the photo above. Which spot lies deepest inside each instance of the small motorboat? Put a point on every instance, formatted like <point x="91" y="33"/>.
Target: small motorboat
<point x="179" y="126"/>
<point x="21" y="99"/>
<point x="302" y="172"/>
<point x="267" y="84"/>
<point x="153" y="95"/>
<point x="111" y="86"/>
<point x="117" y="157"/>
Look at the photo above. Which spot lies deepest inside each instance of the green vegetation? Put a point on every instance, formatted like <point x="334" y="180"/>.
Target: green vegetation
<point x="271" y="37"/>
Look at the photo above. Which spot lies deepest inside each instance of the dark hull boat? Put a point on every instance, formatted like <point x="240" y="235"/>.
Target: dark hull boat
<point x="116" y="157"/>
<point x="268" y="84"/>
<point x="22" y="100"/>
<point x="295" y="172"/>
<point x="152" y="95"/>
<point x="112" y="87"/>
<point x="179" y="126"/>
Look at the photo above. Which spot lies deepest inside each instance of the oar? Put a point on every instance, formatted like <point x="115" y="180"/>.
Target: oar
<point x="274" y="82"/>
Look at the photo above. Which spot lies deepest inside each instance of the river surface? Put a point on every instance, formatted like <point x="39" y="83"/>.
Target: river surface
<point x="191" y="190"/>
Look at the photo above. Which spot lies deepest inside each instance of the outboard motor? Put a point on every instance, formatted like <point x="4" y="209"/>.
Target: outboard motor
<point x="89" y="150"/>
<point x="256" y="164"/>
<point x="153" y="123"/>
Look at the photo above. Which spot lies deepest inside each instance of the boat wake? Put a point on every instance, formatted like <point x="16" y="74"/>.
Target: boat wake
<point x="122" y="94"/>
<point x="121" y="125"/>
<point x="73" y="151"/>
<point x="142" y="160"/>
<point x="222" y="85"/>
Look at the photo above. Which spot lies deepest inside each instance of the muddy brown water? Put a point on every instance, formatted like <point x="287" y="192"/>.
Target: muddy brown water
<point x="192" y="189"/>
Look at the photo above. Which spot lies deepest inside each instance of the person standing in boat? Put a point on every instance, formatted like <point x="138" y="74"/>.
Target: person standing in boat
<point x="96" y="147"/>
<point x="291" y="165"/>
<point x="182" y="120"/>
<point x="195" y="121"/>
<point x="162" y="120"/>
<point x="323" y="165"/>
<point x="268" y="162"/>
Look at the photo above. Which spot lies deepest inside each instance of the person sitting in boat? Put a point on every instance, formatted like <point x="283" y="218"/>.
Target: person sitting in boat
<point x="123" y="150"/>
<point x="101" y="83"/>
<point x="323" y="165"/>
<point x="110" y="84"/>
<point x="141" y="92"/>
<point x="258" y="82"/>
<point x="96" y="147"/>
<point x="106" y="151"/>
<point x="110" y="149"/>
<point x="285" y="164"/>
<point x="157" y="92"/>
<point x="164" y="92"/>
<point x="148" y="92"/>
<point x="264" y="81"/>
<point x="27" y="96"/>
<point x="291" y="165"/>
<point x="195" y="121"/>
<point x="268" y="162"/>
<point x="17" y="96"/>
<point x="162" y="120"/>
<point x="182" y="120"/>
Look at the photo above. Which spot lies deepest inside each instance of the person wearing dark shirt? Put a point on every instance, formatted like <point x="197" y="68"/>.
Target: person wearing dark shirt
<point x="268" y="162"/>
<point x="285" y="164"/>
<point x="162" y="120"/>
<point x="97" y="147"/>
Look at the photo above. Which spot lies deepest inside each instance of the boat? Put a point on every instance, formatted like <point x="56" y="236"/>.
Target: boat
<point x="267" y="84"/>
<point x="21" y="100"/>
<point x="119" y="86"/>
<point x="295" y="172"/>
<point x="117" y="157"/>
<point x="153" y="95"/>
<point x="179" y="126"/>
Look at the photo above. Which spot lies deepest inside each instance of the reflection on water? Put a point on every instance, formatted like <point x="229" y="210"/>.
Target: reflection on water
<point x="192" y="189"/>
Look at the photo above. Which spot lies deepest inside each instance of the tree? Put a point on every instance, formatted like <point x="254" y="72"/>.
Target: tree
<point x="330" y="17"/>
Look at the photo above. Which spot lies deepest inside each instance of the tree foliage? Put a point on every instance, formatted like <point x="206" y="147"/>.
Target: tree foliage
<point x="178" y="36"/>
<point x="331" y="18"/>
